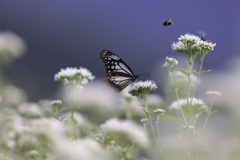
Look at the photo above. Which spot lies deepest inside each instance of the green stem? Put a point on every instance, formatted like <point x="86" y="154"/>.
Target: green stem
<point x="207" y="115"/>
<point x="155" y="139"/>
<point x="170" y="75"/>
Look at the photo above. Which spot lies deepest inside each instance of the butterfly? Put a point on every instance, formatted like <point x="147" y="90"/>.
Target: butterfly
<point x="118" y="75"/>
<point x="167" y="23"/>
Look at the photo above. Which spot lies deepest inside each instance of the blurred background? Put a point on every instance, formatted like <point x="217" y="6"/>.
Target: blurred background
<point x="61" y="34"/>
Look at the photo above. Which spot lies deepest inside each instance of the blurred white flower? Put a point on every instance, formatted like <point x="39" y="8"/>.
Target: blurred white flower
<point x="180" y="80"/>
<point x="214" y="93"/>
<point x="11" y="46"/>
<point x="159" y="111"/>
<point x="144" y="120"/>
<point x="13" y="95"/>
<point x="178" y="46"/>
<point x="134" y="132"/>
<point x="82" y="149"/>
<point x="96" y="101"/>
<point x="30" y="110"/>
<point x="56" y="103"/>
<point x="183" y="102"/>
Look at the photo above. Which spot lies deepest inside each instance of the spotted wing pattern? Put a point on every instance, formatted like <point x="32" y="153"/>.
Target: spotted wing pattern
<point x="118" y="75"/>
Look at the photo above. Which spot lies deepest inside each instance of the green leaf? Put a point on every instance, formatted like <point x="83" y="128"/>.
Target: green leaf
<point x="214" y="111"/>
<point x="185" y="110"/>
<point x="172" y="118"/>
<point x="195" y="108"/>
<point x="54" y="117"/>
<point x="182" y="71"/>
<point x="195" y="71"/>
<point x="200" y="151"/>
<point x="62" y="118"/>
<point x="155" y="153"/>
<point x="205" y="71"/>
<point x="199" y="131"/>
<point x="150" y="111"/>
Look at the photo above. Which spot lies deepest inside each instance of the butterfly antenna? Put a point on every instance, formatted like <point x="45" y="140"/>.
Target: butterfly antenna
<point x="145" y="74"/>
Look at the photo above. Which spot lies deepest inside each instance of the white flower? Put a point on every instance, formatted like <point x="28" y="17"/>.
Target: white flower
<point x="30" y="110"/>
<point x="214" y="93"/>
<point x="134" y="132"/>
<point x="178" y="46"/>
<point x="159" y="111"/>
<point x="189" y="38"/>
<point x="11" y="46"/>
<point x="74" y="76"/>
<point x="183" y="102"/>
<point x="56" y="103"/>
<point x="206" y="46"/>
<point x="190" y="127"/>
<point x="144" y="120"/>
<point x="142" y="88"/>
<point x="170" y="62"/>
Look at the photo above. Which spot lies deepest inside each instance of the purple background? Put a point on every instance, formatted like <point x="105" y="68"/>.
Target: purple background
<point x="62" y="33"/>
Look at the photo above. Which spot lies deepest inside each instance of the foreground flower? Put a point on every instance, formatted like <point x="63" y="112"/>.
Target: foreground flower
<point x="142" y="88"/>
<point x="130" y="130"/>
<point x="74" y="76"/>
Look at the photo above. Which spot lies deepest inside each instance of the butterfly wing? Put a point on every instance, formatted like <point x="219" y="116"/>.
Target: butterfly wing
<point x="118" y="75"/>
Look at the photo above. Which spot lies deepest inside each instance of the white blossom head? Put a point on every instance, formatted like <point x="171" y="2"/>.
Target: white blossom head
<point x="170" y="62"/>
<point x="30" y="110"/>
<point x="142" y="88"/>
<point x="192" y="46"/>
<point x="197" y="103"/>
<point x="11" y="46"/>
<point x="129" y="131"/>
<point x="74" y="76"/>
<point x="144" y="120"/>
<point x="214" y="94"/>
<point x="159" y="112"/>
<point x="56" y="103"/>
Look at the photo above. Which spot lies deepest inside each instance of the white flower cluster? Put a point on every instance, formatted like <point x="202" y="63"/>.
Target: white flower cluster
<point x="142" y="88"/>
<point x="74" y="76"/>
<point x="183" y="102"/>
<point x="217" y="93"/>
<point x="56" y="103"/>
<point x="192" y="46"/>
<point x="11" y="46"/>
<point x="190" y="127"/>
<point x="189" y="38"/>
<point x="131" y="129"/>
<point x="159" y="111"/>
<point x="170" y="62"/>
<point x="144" y="120"/>
<point x="30" y="110"/>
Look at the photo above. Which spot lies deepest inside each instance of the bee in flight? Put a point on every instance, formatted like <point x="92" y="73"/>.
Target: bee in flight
<point x="167" y="23"/>
<point x="202" y="35"/>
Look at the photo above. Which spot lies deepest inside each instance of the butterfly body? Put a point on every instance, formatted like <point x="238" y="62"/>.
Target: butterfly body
<point x="118" y="75"/>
